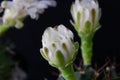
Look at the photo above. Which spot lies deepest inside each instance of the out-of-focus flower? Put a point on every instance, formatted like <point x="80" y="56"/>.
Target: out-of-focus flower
<point x="18" y="74"/>
<point x="86" y="15"/>
<point x="17" y="10"/>
<point x="58" y="46"/>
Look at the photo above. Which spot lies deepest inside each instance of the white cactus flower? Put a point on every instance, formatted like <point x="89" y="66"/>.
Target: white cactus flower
<point x="17" y="10"/>
<point x="58" y="46"/>
<point x="86" y="15"/>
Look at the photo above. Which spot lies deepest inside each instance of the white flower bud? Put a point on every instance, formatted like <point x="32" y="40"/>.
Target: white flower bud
<point x="58" y="46"/>
<point x="86" y="15"/>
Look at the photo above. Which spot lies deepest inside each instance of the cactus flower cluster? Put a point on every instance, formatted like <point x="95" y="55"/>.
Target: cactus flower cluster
<point x="17" y="10"/>
<point x="58" y="46"/>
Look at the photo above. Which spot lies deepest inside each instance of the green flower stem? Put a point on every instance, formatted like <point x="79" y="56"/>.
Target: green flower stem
<point x="86" y="48"/>
<point x="68" y="72"/>
<point x="3" y="29"/>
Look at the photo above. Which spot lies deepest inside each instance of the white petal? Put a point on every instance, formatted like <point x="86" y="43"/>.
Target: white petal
<point x="19" y="24"/>
<point x="7" y="4"/>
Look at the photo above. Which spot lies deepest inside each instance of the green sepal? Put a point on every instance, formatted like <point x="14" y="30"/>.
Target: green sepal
<point x="60" y="61"/>
<point x="76" y="44"/>
<point x="93" y="14"/>
<point x="87" y="27"/>
<point x="78" y="17"/>
<point x="97" y="27"/>
<point x="43" y="54"/>
<point x="53" y="65"/>
<point x="76" y="27"/>
<point x="100" y="13"/>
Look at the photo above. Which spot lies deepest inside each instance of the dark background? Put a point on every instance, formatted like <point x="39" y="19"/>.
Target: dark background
<point x="28" y="39"/>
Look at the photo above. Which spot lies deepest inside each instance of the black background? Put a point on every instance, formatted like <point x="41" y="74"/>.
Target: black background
<point x="28" y="39"/>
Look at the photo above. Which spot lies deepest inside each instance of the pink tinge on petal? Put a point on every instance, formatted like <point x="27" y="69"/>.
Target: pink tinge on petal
<point x="41" y="11"/>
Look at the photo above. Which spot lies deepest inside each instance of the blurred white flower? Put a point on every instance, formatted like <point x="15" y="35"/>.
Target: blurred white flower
<point x="17" y="10"/>
<point x="86" y="15"/>
<point x="58" y="46"/>
<point x="18" y="74"/>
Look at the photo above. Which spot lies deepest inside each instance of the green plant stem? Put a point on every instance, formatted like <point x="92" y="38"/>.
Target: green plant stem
<point x="3" y="29"/>
<point x="68" y="72"/>
<point x="86" y="48"/>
